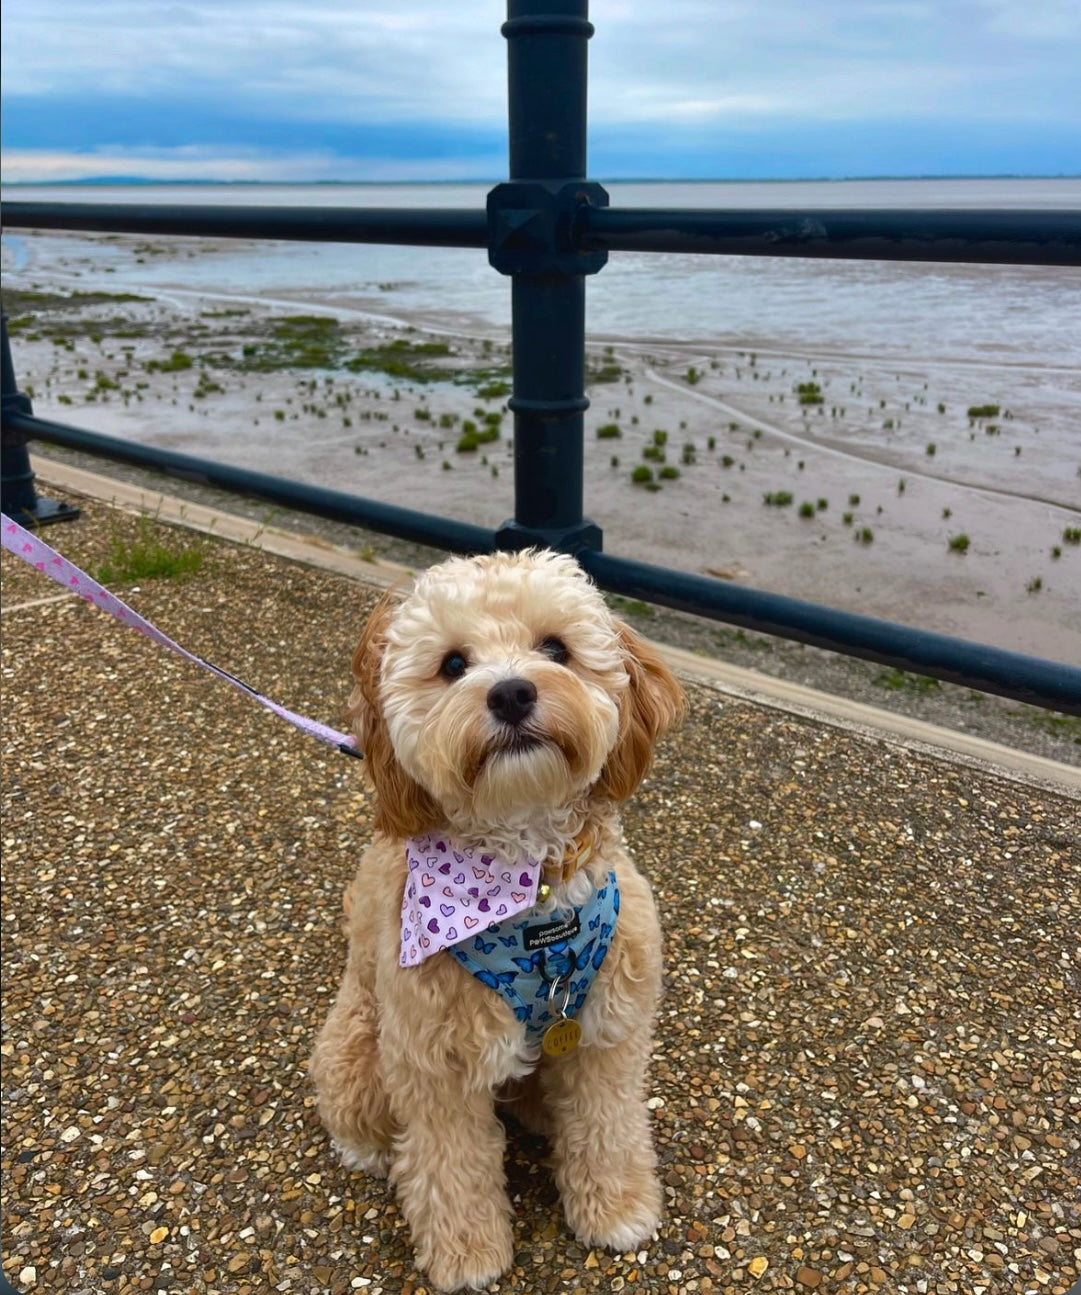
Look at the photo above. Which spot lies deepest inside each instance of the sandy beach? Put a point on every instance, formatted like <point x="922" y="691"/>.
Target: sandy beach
<point x="940" y="492"/>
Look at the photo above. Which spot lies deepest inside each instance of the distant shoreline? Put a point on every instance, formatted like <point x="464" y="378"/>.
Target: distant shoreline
<point x="120" y="181"/>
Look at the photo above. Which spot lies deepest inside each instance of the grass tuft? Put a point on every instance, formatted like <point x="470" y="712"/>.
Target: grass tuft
<point x="153" y="554"/>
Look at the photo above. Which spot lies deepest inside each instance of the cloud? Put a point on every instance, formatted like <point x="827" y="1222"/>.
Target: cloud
<point x="325" y="60"/>
<point x="229" y="167"/>
<point x="1043" y="21"/>
<point x="367" y="90"/>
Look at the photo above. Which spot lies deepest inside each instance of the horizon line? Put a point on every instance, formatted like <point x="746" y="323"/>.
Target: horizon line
<point x="106" y="181"/>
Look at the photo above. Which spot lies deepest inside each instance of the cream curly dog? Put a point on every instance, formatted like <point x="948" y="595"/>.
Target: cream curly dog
<point x="504" y="951"/>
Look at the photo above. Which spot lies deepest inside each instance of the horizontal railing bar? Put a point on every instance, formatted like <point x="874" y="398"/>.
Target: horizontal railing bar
<point x="386" y="519"/>
<point x="995" y="237"/>
<point x="446" y="227"/>
<point x="1050" y="684"/>
<point x="1039" y="682"/>
<point x="990" y="237"/>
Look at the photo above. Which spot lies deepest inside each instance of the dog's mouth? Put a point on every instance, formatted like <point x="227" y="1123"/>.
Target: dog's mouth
<point x="516" y="742"/>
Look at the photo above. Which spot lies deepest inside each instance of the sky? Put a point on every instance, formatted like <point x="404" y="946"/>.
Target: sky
<point x="369" y="90"/>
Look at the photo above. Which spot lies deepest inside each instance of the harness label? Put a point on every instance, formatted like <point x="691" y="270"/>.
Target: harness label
<point x="540" y="937"/>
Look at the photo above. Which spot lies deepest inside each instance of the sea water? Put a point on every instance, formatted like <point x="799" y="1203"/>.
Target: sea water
<point x="911" y="311"/>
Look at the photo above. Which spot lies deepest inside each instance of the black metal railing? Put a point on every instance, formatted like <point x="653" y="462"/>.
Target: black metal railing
<point x="548" y="228"/>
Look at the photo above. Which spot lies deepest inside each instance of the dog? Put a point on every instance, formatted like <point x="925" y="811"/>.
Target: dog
<point x="504" y="953"/>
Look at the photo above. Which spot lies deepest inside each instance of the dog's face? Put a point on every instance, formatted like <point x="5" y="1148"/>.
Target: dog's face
<point x="502" y="685"/>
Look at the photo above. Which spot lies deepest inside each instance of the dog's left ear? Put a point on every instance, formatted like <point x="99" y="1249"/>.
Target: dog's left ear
<point x="652" y="703"/>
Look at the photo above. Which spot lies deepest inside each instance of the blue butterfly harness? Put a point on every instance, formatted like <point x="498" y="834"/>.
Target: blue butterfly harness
<point x="544" y="966"/>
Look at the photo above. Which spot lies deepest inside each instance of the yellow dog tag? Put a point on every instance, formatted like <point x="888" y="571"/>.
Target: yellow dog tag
<point x="561" y="1038"/>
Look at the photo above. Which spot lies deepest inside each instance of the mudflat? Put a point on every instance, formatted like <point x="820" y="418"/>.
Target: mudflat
<point x="935" y="492"/>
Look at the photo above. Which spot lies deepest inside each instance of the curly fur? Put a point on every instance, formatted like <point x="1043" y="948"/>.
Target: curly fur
<point x="413" y="1063"/>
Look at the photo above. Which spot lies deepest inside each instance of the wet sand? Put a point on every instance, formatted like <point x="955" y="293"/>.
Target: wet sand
<point x="884" y="470"/>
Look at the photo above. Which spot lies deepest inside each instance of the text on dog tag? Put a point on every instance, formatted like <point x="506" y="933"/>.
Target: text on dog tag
<point x="561" y="1038"/>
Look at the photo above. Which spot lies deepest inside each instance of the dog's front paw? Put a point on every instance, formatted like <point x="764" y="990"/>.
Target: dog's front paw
<point x="368" y="1159"/>
<point x="473" y="1266"/>
<point x="617" y="1216"/>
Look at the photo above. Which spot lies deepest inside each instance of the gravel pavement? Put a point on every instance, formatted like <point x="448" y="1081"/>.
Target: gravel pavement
<point x="868" y="1061"/>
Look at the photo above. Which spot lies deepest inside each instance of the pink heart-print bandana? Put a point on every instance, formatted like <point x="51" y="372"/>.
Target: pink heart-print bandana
<point x="453" y="891"/>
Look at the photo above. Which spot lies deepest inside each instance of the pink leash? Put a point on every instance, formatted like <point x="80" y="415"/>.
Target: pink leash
<point x="26" y="545"/>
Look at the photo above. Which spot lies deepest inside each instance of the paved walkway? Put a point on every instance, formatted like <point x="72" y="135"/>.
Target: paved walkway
<point x="868" y="1059"/>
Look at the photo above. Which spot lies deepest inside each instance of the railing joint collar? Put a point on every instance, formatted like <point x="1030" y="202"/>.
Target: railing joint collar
<point x="535" y="227"/>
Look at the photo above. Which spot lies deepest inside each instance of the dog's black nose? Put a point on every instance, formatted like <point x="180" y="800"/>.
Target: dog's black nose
<point x="512" y="700"/>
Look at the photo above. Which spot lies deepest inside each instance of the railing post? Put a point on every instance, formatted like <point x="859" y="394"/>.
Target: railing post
<point x="531" y="230"/>
<point x="21" y="501"/>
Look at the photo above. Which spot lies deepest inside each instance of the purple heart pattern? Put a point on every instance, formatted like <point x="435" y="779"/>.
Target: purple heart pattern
<point x="493" y="891"/>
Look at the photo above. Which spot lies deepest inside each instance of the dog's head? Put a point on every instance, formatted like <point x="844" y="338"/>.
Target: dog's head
<point x="502" y="685"/>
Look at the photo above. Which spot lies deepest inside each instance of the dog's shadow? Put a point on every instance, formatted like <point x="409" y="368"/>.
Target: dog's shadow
<point x="530" y="1184"/>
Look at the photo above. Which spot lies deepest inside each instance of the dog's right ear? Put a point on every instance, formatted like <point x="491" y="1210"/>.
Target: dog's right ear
<point x="402" y="806"/>
<point x="652" y="704"/>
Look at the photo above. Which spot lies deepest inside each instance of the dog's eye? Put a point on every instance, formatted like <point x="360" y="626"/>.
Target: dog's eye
<point x="453" y="666"/>
<point x="554" y="648"/>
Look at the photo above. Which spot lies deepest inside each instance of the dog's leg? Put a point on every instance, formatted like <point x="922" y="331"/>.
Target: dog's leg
<point x="448" y="1171"/>
<point x="344" y="1067"/>
<point x="605" y="1166"/>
